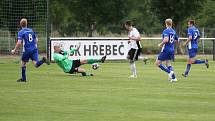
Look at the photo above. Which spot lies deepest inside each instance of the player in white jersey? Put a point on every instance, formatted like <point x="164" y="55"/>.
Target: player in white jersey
<point x="135" y="47"/>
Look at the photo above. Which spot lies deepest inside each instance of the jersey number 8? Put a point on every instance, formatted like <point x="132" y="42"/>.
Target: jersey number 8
<point x="30" y="38"/>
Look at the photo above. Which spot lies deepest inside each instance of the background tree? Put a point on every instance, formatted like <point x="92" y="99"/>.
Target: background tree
<point x="178" y="10"/>
<point x="97" y="13"/>
<point x="206" y="18"/>
<point x="143" y="18"/>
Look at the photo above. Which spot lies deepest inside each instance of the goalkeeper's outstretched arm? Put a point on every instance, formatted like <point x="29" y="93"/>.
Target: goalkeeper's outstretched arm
<point x="72" y="50"/>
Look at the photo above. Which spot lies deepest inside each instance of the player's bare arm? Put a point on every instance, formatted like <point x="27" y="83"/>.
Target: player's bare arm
<point x="165" y="40"/>
<point x="37" y="40"/>
<point x="16" y="47"/>
<point x="177" y="42"/>
<point x="138" y="38"/>
<point x="188" y="40"/>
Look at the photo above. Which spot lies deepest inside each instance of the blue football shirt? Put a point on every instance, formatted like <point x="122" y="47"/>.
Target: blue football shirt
<point x="194" y="32"/>
<point x="28" y="37"/>
<point x="169" y="46"/>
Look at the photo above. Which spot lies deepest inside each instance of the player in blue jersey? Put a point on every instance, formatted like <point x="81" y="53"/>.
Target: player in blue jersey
<point x="169" y="37"/>
<point x="192" y="47"/>
<point x="30" y="51"/>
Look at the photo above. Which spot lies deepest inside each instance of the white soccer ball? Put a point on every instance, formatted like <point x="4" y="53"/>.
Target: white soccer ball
<point x="95" y="66"/>
<point x="145" y="59"/>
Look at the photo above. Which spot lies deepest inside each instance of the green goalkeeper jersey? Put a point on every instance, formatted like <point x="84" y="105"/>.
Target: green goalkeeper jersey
<point x="63" y="61"/>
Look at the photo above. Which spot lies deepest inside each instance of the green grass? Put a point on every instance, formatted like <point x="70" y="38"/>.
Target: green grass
<point x="51" y="95"/>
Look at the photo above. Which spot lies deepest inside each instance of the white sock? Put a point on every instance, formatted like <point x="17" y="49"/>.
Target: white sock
<point x="133" y="68"/>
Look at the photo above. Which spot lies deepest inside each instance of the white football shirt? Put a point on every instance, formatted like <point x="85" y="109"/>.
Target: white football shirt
<point x="134" y="44"/>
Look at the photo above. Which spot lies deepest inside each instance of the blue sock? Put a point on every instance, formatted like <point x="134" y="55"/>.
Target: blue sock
<point x="199" y="61"/>
<point x="39" y="63"/>
<point x="23" y="73"/>
<point x="171" y="69"/>
<point x="164" y="68"/>
<point x="188" y="69"/>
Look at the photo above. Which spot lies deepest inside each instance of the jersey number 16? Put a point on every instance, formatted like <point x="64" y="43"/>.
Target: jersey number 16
<point x="171" y="38"/>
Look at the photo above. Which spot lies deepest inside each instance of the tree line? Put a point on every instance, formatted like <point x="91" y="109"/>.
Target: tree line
<point x="106" y="17"/>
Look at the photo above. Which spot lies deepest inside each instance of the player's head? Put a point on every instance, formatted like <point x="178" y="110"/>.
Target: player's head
<point x="190" y="23"/>
<point x="23" y="22"/>
<point x="128" y="24"/>
<point x="168" y="22"/>
<point x="57" y="48"/>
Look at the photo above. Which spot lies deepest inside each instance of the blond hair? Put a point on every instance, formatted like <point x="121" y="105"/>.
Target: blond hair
<point x="23" y="22"/>
<point x="168" y="22"/>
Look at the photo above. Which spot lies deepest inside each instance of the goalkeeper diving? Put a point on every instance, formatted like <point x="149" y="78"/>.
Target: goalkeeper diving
<point x="73" y="66"/>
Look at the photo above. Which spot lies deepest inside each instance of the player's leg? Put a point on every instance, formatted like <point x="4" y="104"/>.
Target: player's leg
<point x="190" y="61"/>
<point x="198" y="61"/>
<point x="162" y="57"/>
<point x="76" y="68"/>
<point x="34" y="58"/>
<point x="133" y="56"/>
<point x="169" y="65"/>
<point x="172" y="76"/>
<point x="161" y="66"/>
<point x="83" y="72"/>
<point x="133" y="69"/>
<point x="25" y="58"/>
<point x="23" y="79"/>
<point x="91" y="61"/>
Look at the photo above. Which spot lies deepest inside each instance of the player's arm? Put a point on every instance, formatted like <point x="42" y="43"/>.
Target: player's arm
<point x="135" y="36"/>
<point x="18" y="44"/>
<point x="189" y="32"/>
<point x="64" y="52"/>
<point x="176" y="39"/>
<point x="165" y="40"/>
<point x="72" y="50"/>
<point x="37" y="40"/>
<point x="187" y="41"/>
<point x="138" y="38"/>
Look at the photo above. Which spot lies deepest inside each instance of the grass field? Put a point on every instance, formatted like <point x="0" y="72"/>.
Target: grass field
<point x="51" y="95"/>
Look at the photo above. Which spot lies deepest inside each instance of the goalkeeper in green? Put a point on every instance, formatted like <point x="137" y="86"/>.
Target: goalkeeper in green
<point x="72" y="66"/>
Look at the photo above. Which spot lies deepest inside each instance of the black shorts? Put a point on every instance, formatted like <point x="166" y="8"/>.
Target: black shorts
<point x="133" y="54"/>
<point x="75" y="65"/>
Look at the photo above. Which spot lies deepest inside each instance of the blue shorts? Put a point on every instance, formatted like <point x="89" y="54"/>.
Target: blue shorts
<point x="192" y="52"/>
<point x="33" y="55"/>
<point x="165" y="56"/>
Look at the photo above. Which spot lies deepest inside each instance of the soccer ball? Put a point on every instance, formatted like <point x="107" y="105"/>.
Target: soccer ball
<point x="145" y="59"/>
<point x="95" y="66"/>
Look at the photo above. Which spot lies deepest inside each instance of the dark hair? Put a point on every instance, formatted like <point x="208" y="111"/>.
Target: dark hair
<point x="191" y="22"/>
<point x="128" y="23"/>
